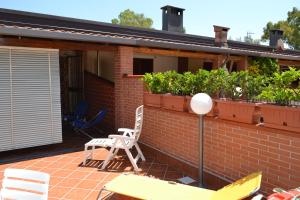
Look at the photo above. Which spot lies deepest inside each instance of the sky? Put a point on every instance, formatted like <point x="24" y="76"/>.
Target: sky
<point x="240" y="16"/>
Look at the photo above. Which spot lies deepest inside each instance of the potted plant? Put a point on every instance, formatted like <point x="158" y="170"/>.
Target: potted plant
<point x="241" y="88"/>
<point x="173" y="99"/>
<point x="192" y="83"/>
<point x="154" y="84"/>
<point x="209" y="83"/>
<point x="282" y="95"/>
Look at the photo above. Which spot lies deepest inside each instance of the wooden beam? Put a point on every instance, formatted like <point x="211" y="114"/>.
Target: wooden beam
<point x="176" y="53"/>
<point x="289" y="62"/>
<point x="54" y="44"/>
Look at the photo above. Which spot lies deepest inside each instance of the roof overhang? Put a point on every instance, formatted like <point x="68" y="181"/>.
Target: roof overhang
<point x="23" y="32"/>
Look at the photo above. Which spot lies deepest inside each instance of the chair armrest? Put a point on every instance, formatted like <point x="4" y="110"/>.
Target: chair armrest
<point x="258" y="197"/>
<point x="126" y="131"/>
<point x="120" y="137"/>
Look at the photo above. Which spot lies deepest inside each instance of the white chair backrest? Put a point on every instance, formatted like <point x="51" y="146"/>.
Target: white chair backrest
<point x="138" y="122"/>
<point x="25" y="184"/>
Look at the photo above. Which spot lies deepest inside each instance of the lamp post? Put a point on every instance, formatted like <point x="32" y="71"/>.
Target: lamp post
<point x="201" y="104"/>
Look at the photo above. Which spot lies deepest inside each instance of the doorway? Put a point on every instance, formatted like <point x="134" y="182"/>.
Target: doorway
<point x="72" y="80"/>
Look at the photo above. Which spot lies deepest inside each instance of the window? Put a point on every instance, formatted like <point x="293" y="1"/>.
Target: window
<point x="207" y="66"/>
<point x="142" y="66"/>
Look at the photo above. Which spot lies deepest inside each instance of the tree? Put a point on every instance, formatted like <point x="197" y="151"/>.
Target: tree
<point x="130" y="18"/>
<point x="290" y="26"/>
<point x="248" y="39"/>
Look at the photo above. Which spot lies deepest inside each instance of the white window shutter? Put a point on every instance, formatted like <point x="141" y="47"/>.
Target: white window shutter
<point x="5" y="101"/>
<point x="55" y="93"/>
<point x="35" y="98"/>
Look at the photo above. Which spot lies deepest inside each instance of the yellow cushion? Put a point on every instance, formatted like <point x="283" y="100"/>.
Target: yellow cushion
<point x="142" y="187"/>
<point x="240" y="189"/>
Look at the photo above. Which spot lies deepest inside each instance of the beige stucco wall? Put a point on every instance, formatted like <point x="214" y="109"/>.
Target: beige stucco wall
<point x="106" y="64"/>
<point x="161" y="63"/>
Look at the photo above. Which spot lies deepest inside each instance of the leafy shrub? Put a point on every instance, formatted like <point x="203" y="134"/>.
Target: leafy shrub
<point x="189" y="84"/>
<point x="215" y="82"/>
<point x="155" y="82"/>
<point x="201" y="81"/>
<point x="281" y="90"/>
<point x="173" y="82"/>
<point x="263" y="66"/>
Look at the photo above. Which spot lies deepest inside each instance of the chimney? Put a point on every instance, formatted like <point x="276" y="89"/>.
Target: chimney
<point x="275" y="36"/>
<point x="221" y="36"/>
<point x="172" y="19"/>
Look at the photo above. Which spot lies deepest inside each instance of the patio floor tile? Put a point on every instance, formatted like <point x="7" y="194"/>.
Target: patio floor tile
<point x="58" y="192"/>
<point x="77" y="193"/>
<point x="69" y="178"/>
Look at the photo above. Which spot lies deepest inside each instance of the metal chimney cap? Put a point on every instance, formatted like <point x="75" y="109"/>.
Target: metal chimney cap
<point x="168" y="6"/>
<point x="277" y="31"/>
<point x="220" y="28"/>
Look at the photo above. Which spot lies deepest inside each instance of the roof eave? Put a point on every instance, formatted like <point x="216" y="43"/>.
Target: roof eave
<point x="134" y="42"/>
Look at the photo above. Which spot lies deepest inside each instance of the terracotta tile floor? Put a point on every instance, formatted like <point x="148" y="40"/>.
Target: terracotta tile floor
<point x="71" y="180"/>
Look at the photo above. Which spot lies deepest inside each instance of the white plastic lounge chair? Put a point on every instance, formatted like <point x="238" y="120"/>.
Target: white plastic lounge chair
<point x="21" y="184"/>
<point x="142" y="187"/>
<point x="126" y="141"/>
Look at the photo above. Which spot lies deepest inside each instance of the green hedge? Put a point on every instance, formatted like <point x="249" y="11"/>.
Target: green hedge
<point x="281" y="88"/>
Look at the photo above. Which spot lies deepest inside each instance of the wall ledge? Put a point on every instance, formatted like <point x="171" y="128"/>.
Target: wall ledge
<point x="132" y="76"/>
<point x="259" y="127"/>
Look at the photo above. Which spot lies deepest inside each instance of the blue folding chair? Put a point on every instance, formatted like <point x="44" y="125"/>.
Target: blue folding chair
<point x="79" y="113"/>
<point x="80" y="125"/>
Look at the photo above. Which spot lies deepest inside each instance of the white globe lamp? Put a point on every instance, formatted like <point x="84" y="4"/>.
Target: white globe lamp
<point x="201" y="104"/>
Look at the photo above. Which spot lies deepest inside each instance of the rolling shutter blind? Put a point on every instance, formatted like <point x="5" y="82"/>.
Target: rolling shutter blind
<point x="33" y="117"/>
<point x="5" y="100"/>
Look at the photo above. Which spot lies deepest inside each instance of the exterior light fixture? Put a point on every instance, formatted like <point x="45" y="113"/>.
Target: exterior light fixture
<point x="201" y="104"/>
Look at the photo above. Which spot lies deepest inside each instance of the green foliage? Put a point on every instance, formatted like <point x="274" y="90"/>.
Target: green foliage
<point x="290" y="26"/>
<point x="281" y="89"/>
<point x="248" y="39"/>
<point x="202" y="77"/>
<point x="263" y="66"/>
<point x="174" y="82"/>
<point x="216" y="81"/>
<point x="130" y="18"/>
<point x="189" y="84"/>
<point x="232" y="85"/>
<point x="155" y="82"/>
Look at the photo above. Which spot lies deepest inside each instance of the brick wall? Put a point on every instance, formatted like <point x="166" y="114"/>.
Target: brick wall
<point x="128" y="91"/>
<point x="232" y="150"/>
<point x="99" y="93"/>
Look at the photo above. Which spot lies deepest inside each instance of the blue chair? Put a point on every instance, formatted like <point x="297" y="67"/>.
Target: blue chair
<point x="79" y="113"/>
<point x="80" y="125"/>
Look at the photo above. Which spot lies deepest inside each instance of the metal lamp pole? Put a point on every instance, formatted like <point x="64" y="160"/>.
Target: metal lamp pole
<point x="201" y="149"/>
<point x="201" y="104"/>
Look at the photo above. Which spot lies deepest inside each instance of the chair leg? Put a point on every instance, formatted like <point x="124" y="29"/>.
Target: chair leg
<point x="85" y="133"/>
<point x="87" y="154"/>
<point x="140" y="152"/>
<point x="115" y="152"/>
<point x="108" y="158"/>
<point x="132" y="160"/>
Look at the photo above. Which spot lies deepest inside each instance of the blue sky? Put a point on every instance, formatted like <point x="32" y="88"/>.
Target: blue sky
<point x="199" y="17"/>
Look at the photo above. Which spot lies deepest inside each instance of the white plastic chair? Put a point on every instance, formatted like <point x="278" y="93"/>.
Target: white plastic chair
<point x="21" y="184"/>
<point x="125" y="141"/>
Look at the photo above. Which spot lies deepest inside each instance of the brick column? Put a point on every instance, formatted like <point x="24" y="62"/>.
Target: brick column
<point x="123" y="65"/>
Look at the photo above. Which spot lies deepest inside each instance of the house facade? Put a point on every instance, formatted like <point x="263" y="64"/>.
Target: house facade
<point x="49" y="63"/>
<point x="96" y="60"/>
